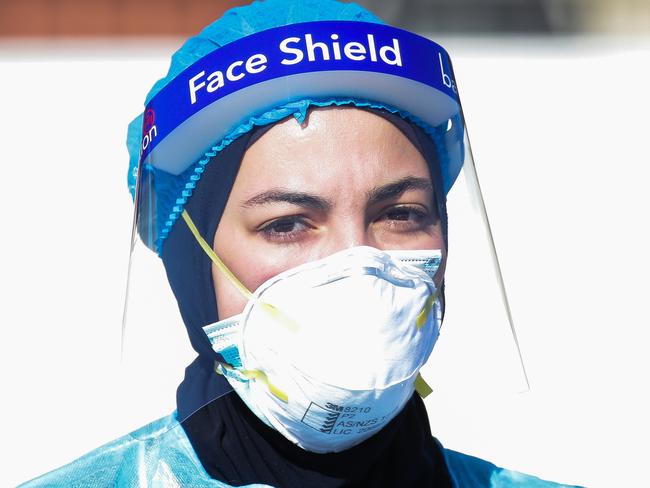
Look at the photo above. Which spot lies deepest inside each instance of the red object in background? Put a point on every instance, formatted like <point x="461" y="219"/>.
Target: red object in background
<point x="108" y="18"/>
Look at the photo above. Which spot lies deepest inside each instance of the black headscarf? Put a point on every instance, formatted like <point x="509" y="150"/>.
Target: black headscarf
<point x="233" y="445"/>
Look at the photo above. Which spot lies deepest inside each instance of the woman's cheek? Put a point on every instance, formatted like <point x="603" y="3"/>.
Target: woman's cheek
<point x="259" y="267"/>
<point x="230" y="301"/>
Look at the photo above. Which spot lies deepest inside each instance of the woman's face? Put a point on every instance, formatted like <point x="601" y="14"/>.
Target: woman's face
<point x="344" y="178"/>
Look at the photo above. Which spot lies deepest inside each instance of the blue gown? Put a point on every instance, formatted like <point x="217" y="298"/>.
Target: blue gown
<point x="160" y="455"/>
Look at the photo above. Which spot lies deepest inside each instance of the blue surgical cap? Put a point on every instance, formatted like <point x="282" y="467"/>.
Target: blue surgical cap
<point x="172" y="191"/>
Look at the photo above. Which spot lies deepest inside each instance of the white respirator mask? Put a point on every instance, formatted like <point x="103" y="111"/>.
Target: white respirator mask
<point x="329" y="352"/>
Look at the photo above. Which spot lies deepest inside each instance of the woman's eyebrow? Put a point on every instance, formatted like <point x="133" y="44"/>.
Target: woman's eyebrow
<point x="301" y="199"/>
<point x="397" y="188"/>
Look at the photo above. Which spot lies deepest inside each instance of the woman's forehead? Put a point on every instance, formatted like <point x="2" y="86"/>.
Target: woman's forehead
<point x="333" y="123"/>
<point x="334" y="148"/>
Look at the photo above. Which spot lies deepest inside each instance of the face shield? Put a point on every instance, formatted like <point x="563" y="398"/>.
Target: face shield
<point x="215" y="104"/>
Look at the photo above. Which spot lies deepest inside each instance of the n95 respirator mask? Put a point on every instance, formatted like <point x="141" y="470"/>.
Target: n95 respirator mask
<point x="328" y="353"/>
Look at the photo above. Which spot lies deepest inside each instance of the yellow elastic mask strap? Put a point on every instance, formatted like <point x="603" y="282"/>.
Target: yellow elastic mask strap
<point x="421" y="386"/>
<point x="258" y="375"/>
<point x="421" y="319"/>
<point x="213" y="256"/>
<point x="276" y="313"/>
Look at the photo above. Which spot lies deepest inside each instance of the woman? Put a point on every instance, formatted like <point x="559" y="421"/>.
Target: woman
<point x="292" y="177"/>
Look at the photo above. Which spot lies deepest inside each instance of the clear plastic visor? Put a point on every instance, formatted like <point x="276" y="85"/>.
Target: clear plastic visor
<point x="477" y="353"/>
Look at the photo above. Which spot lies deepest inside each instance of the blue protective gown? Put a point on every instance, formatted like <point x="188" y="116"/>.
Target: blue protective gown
<point x="160" y="455"/>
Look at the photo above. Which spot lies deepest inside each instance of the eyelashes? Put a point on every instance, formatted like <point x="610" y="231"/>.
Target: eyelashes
<point x="396" y="219"/>
<point x="405" y="216"/>
<point x="286" y="229"/>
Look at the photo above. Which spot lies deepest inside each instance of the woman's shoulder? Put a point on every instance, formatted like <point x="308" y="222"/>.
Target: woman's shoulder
<point x="156" y="455"/>
<point x="466" y="470"/>
<point x="160" y="455"/>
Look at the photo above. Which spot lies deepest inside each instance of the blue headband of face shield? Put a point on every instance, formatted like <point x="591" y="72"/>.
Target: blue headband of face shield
<point x="283" y="71"/>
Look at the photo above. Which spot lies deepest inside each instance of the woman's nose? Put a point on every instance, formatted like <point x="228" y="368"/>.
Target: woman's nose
<point x="348" y="234"/>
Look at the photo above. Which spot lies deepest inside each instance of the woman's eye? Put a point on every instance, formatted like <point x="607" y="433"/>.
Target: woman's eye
<point x="405" y="218"/>
<point x="284" y="229"/>
<point x="401" y="214"/>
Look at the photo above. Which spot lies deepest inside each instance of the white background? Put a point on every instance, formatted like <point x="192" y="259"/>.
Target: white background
<point x="559" y="132"/>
